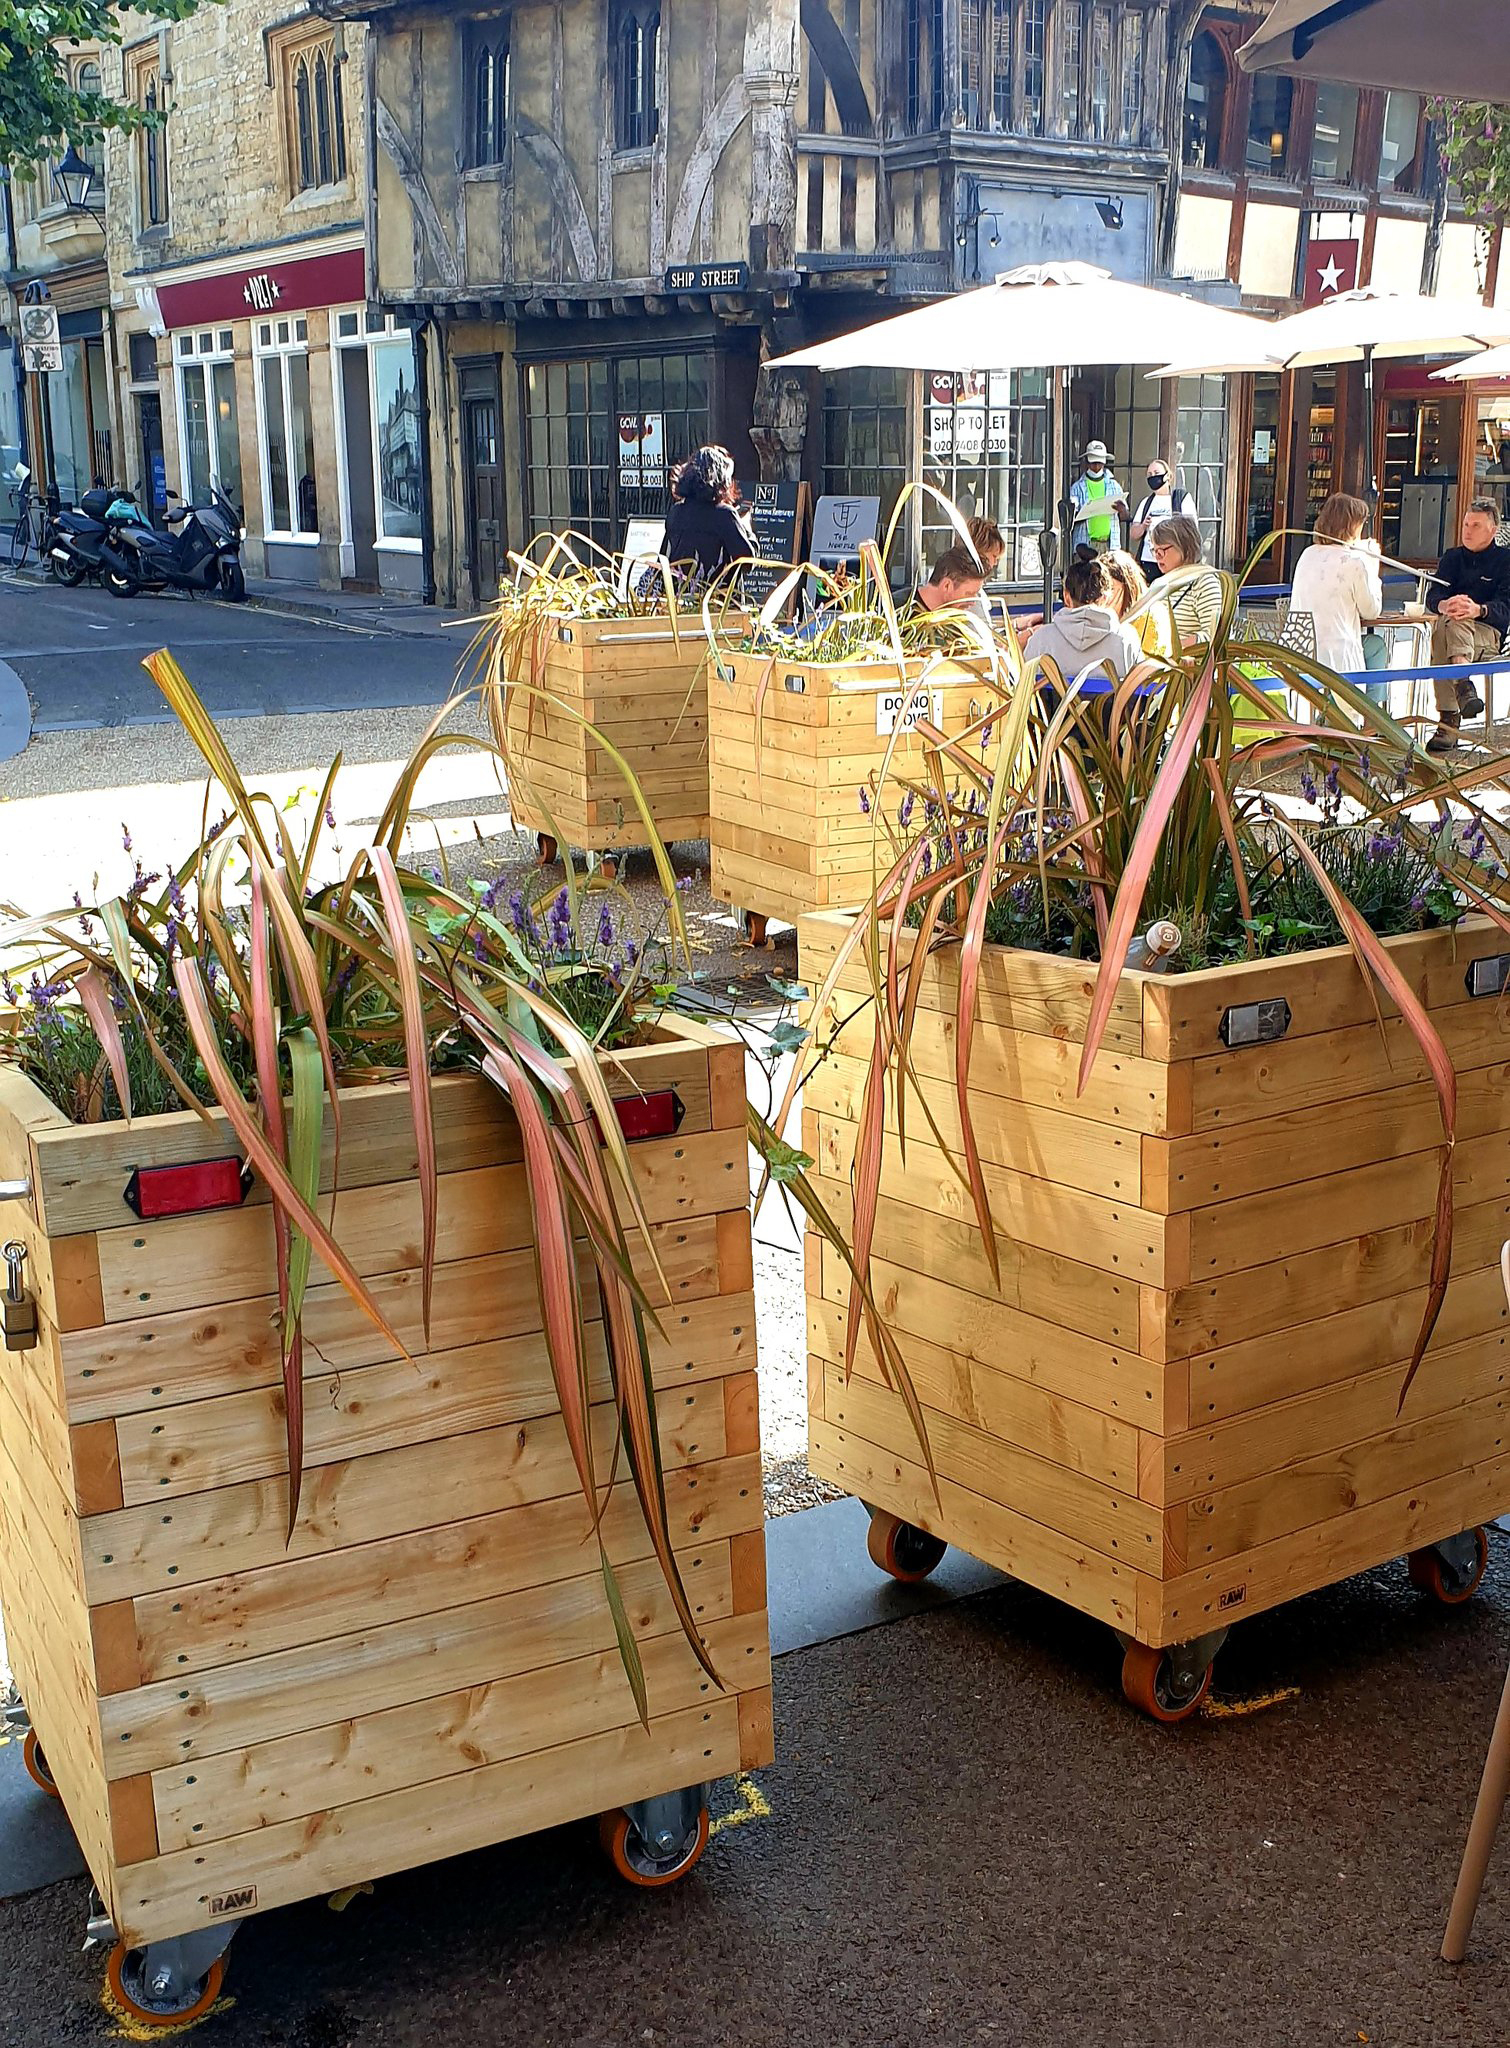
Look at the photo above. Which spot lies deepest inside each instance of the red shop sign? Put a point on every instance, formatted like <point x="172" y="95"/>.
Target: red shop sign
<point x="255" y="287"/>
<point x="1331" y="268"/>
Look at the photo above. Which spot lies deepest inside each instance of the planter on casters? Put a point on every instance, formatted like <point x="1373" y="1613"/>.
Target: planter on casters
<point x="645" y="690"/>
<point x="786" y="833"/>
<point x="235" y="1719"/>
<point x="1179" y="1406"/>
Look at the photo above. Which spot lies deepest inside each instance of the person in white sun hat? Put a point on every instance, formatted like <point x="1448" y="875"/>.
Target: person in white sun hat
<point x="1099" y="502"/>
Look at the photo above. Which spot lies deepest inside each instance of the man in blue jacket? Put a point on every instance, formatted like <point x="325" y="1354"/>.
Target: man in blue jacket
<point x="1471" y="601"/>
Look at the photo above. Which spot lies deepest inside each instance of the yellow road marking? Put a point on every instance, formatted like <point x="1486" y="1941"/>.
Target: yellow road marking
<point x="126" y="2027"/>
<point x="753" y="1805"/>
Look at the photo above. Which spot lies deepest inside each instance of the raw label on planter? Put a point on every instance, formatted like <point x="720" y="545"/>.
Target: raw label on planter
<point x="927" y="704"/>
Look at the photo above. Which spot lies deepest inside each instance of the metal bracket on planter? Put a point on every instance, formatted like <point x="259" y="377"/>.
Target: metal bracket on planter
<point x="169" y="1973"/>
<point x="656" y="1115"/>
<point x="1188" y="1661"/>
<point x="1254" y="1023"/>
<point x="154" y="1191"/>
<point x="796" y="684"/>
<point x="1488" y="977"/>
<point x="15" y="1190"/>
<point x="666" y="1823"/>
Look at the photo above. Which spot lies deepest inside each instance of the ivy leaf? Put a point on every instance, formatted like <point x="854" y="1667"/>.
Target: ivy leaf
<point x="789" y="1037"/>
<point x="785" y="1162"/>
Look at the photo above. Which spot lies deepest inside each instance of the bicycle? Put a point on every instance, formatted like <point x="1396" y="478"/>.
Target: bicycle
<point x="33" y="527"/>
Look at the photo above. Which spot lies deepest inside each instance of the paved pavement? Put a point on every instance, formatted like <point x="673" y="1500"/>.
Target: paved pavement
<point x="966" y="1841"/>
<point x="79" y="653"/>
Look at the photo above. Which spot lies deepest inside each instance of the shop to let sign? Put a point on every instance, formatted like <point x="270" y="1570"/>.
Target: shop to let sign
<point x="642" y="451"/>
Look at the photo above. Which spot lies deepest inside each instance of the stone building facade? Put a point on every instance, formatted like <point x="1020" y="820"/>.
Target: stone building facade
<point x="245" y="351"/>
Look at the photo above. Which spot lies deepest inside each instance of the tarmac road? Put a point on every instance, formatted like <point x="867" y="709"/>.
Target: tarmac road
<point x="79" y="654"/>
<point x="971" y="1841"/>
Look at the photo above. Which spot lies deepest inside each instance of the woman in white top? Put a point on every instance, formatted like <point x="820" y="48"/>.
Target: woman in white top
<point x="1165" y="500"/>
<point x="1336" y="584"/>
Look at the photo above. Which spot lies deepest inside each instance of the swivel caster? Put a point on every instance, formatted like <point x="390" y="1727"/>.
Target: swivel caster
<point x="656" y="1842"/>
<point x="905" y="1552"/>
<point x="1169" y="1685"/>
<point x="608" y="867"/>
<point x="755" y="924"/>
<point x="36" y="1765"/>
<point x="545" y="847"/>
<point x="154" y="1993"/>
<point x="1451" y="1571"/>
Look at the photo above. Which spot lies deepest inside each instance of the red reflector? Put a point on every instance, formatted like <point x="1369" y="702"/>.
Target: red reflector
<point x="181" y="1190"/>
<point x="650" y="1116"/>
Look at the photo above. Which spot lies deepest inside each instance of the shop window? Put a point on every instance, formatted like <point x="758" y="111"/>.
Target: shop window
<point x="1071" y="63"/>
<point x="985" y="448"/>
<point x="1101" y="73"/>
<point x="1334" y="133"/>
<point x="1032" y="65"/>
<point x="924" y="58"/>
<point x="637" y="42"/>
<point x="314" y="111"/>
<point x="286" y="430"/>
<point x="1399" y="149"/>
<point x="1132" y="78"/>
<point x="1205" y="103"/>
<point x="866" y="446"/>
<point x="210" y="430"/>
<point x="1200" y="452"/>
<point x="603" y="436"/>
<point x="1268" y="145"/>
<point x="145" y="77"/>
<point x="488" y="82"/>
<point x="396" y="437"/>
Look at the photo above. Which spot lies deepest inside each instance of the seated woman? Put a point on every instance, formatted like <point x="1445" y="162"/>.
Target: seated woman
<point x="1087" y="633"/>
<point x="1129" y="588"/>
<point x="1194" y="603"/>
<point x="1337" y="586"/>
<point x="703" y="530"/>
<point x="990" y="544"/>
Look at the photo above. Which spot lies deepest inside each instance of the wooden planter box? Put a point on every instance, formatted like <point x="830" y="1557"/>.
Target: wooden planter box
<point x="645" y="689"/>
<point x="234" y="1720"/>
<point x="1179" y="1407"/>
<point x="786" y="832"/>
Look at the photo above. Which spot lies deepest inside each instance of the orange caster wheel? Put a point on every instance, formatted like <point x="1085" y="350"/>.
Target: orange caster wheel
<point x="1162" y="1685"/>
<point x="898" y="1548"/>
<point x="608" y="867"/>
<point x="755" y="928"/>
<point x="650" y="1864"/>
<point x="129" y="1974"/>
<point x="36" y="1764"/>
<point x="1451" y="1572"/>
<point x="545" y="847"/>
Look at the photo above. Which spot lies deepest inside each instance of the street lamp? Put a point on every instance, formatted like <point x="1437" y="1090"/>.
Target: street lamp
<point x="76" y="178"/>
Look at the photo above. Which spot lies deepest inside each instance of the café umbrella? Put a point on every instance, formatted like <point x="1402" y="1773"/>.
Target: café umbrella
<point x="1042" y="316"/>
<point x="1404" y="43"/>
<point x="1364" y="326"/>
<point x="1492" y="362"/>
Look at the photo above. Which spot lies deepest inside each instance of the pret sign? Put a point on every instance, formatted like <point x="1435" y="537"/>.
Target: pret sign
<point x="708" y="277"/>
<point x="927" y="704"/>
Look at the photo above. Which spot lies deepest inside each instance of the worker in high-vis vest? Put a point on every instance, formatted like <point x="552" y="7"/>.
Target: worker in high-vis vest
<point x="1100" y="506"/>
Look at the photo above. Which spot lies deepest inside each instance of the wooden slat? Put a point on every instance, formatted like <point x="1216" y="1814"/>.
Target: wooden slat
<point x="182" y="1262"/>
<point x="346" y="1845"/>
<point x="1116" y="1237"/>
<point x="419" y="1742"/>
<point x="1067" y="1150"/>
<point x="361" y="1500"/>
<point x="82" y="1170"/>
<point x="1037" y="1283"/>
<point x="279" y="1606"/>
<point x="1110" y="1521"/>
<point x="259" y="1698"/>
<point x="1100" y="1586"/>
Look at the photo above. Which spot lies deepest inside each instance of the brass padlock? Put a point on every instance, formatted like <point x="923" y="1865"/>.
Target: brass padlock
<point x="18" y="1312"/>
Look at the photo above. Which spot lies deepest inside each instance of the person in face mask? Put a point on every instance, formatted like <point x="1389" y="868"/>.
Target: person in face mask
<point x="1165" y="500"/>
<point x="1099" y="502"/>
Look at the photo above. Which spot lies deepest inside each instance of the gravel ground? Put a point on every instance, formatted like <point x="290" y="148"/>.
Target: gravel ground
<point x="64" y="800"/>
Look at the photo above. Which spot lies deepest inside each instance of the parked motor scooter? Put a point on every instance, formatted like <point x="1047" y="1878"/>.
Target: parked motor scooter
<point x="203" y="555"/>
<point x="78" y="534"/>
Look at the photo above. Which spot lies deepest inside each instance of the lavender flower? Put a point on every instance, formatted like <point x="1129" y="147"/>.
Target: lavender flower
<point x="904" y="811"/>
<point x="517" y="911"/>
<point x="605" y="927"/>
<point x="864" y="804"/>
<point x="1308" y="787"/>
<point x="330" y="817"/>
<point x="126" y="837"/>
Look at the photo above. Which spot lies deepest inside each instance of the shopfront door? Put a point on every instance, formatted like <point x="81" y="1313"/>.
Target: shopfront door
<point x="482" y="464"/>
<point x="152" y="483"/>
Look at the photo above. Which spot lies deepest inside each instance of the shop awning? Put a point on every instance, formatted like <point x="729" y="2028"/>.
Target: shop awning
<point x="1406" y="43"/>
<point x="1046" y="316"/>
<point x="1493" y="362"/>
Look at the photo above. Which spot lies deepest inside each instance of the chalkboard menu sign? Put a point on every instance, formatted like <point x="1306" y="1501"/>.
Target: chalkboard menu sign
<point x="778" y="513"/>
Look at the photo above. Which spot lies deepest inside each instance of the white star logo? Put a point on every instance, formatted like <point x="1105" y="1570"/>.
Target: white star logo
<point x="1329" y="276"/>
